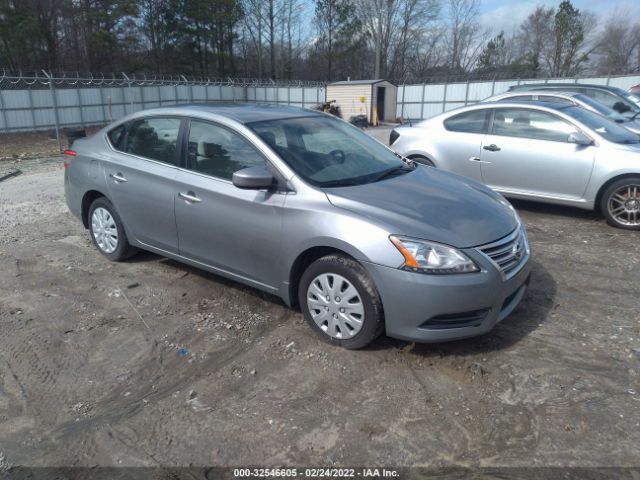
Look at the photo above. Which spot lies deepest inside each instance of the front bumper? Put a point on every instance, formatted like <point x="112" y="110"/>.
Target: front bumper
<point x="439" y="308"/>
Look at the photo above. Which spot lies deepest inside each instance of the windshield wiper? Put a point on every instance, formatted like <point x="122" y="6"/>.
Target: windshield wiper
<point x="339" y="183"/>
<point x="393" y="171"/>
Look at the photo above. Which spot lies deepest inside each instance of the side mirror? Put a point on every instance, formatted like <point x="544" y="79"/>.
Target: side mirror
<point x="254" y="178"/>
<point x="621" y="107"/>
<point x="579" y="138"/>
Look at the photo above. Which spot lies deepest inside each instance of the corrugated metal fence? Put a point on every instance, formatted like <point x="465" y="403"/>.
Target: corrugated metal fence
<point x="426" y="100"/>
<point x="45" y="101"/>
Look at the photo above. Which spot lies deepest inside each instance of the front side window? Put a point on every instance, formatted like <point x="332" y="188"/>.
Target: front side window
<point x="219" y="152"/>
<point x="610" y="99"/>
<point x="155" y="138"/>
<point x="475" y="121"/>
<point x="534" y="124"/>
<point x="327" y="152"/>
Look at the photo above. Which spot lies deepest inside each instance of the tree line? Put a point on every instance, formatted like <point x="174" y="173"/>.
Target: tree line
<point x="402" y="40"/>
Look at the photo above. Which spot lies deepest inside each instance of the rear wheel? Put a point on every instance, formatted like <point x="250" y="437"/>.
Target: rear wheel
<point x="340" y="302"/>
<point x="107" y="231"/>
<point x="620" y="203"/>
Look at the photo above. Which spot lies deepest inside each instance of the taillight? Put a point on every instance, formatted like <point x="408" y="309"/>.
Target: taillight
<point x="393" y="137"/>
<point x="68" y="153"/>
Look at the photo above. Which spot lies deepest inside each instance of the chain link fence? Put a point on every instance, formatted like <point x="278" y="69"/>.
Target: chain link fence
<point x="43" y="100"/>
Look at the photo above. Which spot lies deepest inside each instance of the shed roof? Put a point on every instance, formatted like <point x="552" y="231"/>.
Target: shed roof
<point x="360" y="82"/>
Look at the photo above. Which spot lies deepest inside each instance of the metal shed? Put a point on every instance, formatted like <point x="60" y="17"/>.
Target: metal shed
<point x="374" y="98"/>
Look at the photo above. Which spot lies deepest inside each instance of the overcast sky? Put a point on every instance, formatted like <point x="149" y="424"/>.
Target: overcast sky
<point x="506" y="15"/>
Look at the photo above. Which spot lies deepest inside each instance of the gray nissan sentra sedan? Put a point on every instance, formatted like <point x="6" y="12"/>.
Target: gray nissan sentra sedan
<point x="307" y="207"/>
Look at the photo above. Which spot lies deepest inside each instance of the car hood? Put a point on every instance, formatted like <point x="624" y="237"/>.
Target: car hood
<point x="430" y="204"/>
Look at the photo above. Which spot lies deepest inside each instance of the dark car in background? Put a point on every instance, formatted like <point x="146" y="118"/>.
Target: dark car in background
<point x="618" y="99"/>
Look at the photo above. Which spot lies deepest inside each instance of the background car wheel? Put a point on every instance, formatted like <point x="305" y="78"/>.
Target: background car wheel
<point x="107" y="232"/>
<point x="620" y="203"/>
<point x="423" y="161"/>
<point x="340" y="302"/>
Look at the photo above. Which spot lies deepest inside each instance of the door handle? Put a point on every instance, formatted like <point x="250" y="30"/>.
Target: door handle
<point x="190" y="197"/>
<point x="477" y="160"/>
<point x="492" y="148"/>
<point x="118" y="177"/>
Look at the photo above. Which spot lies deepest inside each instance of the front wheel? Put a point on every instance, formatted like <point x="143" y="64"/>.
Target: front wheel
<point x="340" y="302"/>
<point x="620" y="203"/>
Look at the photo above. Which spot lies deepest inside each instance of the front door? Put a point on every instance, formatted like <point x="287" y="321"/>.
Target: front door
<point x="459" y="142"/>
<point x="527" y="153"/>
<point x="140" y="175"/>
<point x="224" y="227"/>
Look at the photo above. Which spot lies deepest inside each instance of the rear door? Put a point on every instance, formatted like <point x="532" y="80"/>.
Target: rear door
<point x="140" y="174"/>
<point x="219" y="225"/>
<point x="527" y="153"/>
<point x="459" y="147"/>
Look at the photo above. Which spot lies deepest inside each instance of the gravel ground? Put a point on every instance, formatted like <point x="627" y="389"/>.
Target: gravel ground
<point x="151" y="362"/>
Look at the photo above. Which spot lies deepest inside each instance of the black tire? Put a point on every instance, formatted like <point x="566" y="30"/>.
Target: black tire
<point x="608" y="197"/>
<point x="373" y="323"/>
<point x="423" y="161"/>
<point x="123" y="249"/>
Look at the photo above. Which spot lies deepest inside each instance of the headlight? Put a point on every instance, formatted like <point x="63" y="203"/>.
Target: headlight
<point x="429" y="257"/>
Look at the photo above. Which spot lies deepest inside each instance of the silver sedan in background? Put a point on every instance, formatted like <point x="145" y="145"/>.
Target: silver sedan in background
<point x="571" y="98"/>
<point x="540" y="151"/>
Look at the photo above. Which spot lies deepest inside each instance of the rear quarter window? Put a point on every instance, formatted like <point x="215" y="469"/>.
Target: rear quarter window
<point x="116" y="137"/>
<point x="475" y="121"/>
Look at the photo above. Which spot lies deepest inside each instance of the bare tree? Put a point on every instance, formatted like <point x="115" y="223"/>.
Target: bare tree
<point x="618" y="46"/>
<point x="465" y="38"/>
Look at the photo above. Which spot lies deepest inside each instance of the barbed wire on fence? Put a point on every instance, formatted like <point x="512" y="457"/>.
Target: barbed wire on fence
<point x="41" y="80"/>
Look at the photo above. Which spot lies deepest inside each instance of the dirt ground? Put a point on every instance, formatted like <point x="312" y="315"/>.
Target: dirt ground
<point x="151" y="362"/>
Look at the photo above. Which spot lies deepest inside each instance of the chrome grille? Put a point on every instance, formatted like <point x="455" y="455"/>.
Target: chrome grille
<point x="510" y="253"/>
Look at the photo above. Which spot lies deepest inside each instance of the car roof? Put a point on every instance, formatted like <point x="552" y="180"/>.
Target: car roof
<point x="561" y="85"/>
<point x="240" y="112"/>
<point x="527" y="104"/>
<point x="557" y="93"/>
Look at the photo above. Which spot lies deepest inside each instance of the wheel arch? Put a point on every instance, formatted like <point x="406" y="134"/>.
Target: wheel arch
<point x="608" y="183"/>
<point x="87" y="199"/>
<point x="419" y="154"/>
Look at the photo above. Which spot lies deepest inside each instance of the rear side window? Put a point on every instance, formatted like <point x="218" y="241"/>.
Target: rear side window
<point x="475" y="121"/>
<point x="552" y="99"/>
<point x="155" y="138"/>
<point x="219" y="152"/>
<point x="517" y="98"/>
<point x="116" y="137"/>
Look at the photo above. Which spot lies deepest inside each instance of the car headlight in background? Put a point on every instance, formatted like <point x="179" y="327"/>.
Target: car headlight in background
<point x="430" y="257"/>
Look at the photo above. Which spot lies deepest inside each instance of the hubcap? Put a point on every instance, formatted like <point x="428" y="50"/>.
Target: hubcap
<point x="104" y="230"/>
<point x="335" y="305"/>
<point x="624" y="205"/>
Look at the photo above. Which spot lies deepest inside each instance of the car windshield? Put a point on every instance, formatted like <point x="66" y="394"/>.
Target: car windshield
<point x="604" y="127"/>
<point x="328" y="152"/>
